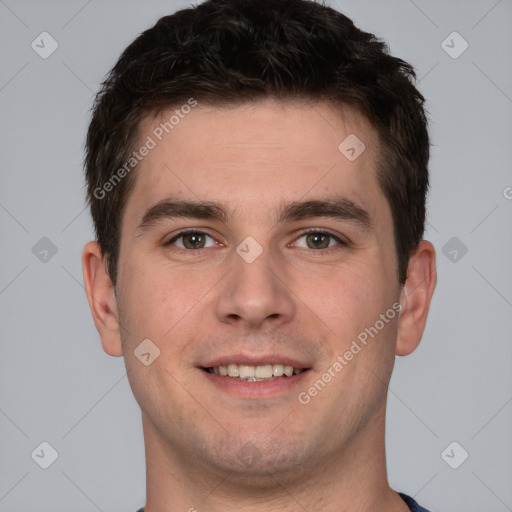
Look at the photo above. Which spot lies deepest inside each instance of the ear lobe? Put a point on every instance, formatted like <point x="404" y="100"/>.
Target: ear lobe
<point x="415" y="298"/>
<point x="102" y="299"/>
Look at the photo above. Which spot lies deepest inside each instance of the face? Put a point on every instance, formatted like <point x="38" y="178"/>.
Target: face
<point x="250" y="244"/>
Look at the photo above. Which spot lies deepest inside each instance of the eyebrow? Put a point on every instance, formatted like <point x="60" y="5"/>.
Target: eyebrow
<point x="338" y="209"/>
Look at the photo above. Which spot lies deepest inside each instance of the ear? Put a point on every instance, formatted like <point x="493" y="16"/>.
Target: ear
<point x="415" y="297"/>
<point x="102" y="299"/>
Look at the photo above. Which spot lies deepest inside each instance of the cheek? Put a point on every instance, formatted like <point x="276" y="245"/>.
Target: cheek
<point x="344" y="297"/>
<point x="347" y="306"/>
<point x="158" y="300"/>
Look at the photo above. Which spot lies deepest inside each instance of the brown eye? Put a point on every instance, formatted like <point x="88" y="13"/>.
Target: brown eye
<point x="192" y="240"/>
<point x="318" y="240"/>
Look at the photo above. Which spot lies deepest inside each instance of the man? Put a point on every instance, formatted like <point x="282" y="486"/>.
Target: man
<point x="257" y="174"/>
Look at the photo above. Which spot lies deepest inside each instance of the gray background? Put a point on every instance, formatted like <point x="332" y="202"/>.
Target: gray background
<point x="58" y="386"/>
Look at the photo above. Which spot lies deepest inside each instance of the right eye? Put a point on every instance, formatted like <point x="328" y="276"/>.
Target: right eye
<point x="191" y="240"/>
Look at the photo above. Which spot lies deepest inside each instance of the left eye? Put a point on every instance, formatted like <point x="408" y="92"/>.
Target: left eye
<point x="318" y="240"/>
<point x="192" y="240"/>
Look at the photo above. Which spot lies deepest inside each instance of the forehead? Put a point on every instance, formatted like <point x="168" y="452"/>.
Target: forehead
<point x="252" y="157"/>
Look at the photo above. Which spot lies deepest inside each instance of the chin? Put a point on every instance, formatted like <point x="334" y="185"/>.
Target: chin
<point x="258" y="459"/>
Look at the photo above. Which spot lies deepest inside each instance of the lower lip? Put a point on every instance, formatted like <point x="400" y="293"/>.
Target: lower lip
<point x="258" y="389"/>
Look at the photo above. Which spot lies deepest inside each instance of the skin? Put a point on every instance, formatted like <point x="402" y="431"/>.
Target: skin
<point x="261" y="453"/>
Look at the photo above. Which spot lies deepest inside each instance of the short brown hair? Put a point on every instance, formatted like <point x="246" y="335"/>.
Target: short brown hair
<point x="225" y="52"/>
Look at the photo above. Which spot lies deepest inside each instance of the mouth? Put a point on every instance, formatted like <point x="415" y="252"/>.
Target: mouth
<point x="260" y="373"/>
<point x="254" y="377"/>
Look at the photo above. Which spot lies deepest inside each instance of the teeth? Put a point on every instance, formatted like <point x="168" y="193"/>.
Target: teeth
<point x="255" y="373"/>
<point x="278" y="370"/>
<point x="246" y="372"/>
<point x="232" y="370"/>
<point x="264" y="372"/>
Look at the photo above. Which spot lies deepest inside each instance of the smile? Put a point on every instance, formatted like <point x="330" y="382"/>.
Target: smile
<point x="265" y="372"/>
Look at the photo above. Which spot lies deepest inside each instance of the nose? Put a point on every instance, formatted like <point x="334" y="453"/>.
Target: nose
<point x="255" y="293"/>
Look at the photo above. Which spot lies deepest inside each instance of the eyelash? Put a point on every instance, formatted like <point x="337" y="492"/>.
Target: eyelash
<point x="183" y="233"/>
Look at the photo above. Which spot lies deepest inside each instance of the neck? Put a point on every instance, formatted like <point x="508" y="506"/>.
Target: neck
<point x="353" y="479"/>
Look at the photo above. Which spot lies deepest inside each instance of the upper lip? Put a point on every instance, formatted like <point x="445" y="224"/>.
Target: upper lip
<point x="255" y="360"/>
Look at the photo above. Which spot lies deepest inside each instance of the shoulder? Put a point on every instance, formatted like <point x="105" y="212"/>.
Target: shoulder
<point x="412" y="504"/>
